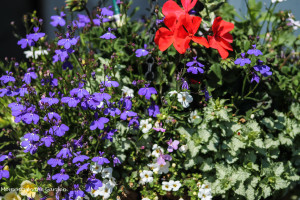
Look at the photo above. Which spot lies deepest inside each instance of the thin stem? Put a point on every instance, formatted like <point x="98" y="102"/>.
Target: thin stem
<point x="251" y="90"/>
<point x="89" y="14"/>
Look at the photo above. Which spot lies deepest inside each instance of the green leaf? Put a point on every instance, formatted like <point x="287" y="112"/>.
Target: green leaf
<point x="295" y="108"/>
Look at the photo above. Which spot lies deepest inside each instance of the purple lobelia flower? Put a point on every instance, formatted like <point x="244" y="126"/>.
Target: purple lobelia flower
<point x="4" y="157"/>
<point x="99" y="123"/>
<point x="100" y="160"/>
<point x="83" y="167"/>
<point x="134" y="122"/>
<point x="254" y="51"/>
<point x="80" y="92"/>
<point x="242" y="61"/>
<point x="195" y="66"/>
<point x="255" y="78"/>
<point x="31" y="116"/>
<point x="206" y="94"/>
<point x="60" y="176"/>
<point x="52" y="115"/>
<point x="125" y="103"/>
<point x="50" y="80"/>
<point x="8" y="91"/>
<point x="72" y="101"/>
<point x="29" y="75"/>
<point x="115" y="160"/>
<point x="142" y="52"/>
<point x="58" y="20"/>
<point x="50" y="100"/>
<point x="127" y="114"/>
<point x="30" y="146"/>
<point x="76" y="193"/>
<point x="78" y="143"/>
<point x="59" y="130"/>
<point x="102" y="96"/>
<point x="106" y="11"/>
<point x="108" y="134"/>
<point x="64" y="152"/>
<point x="67" y="42"/>
<point x="47" y="140"/>
<point x="100" y="19"/>
<point x="7" y="78"/>
<point x="89" y="101"/>
<point x="173" y="145"/>
<point x="36" y="35"/>
<point x="82" y="21"/>
<point x="53" y="162"/>
<point x="23" y="90"/>
<point x="110" y="83"/>
<point x="61" y="55"/>
<point x="67" y="65"/>
<point x="109" y="35"/>
<point x="185" y="85"/>
<point x="80" y="158"/>
<point x="147" y="91"/>
<point x="92" y="183"/>
<point x="263" y="69"/>
<point x="153" y="110"/>
<point x="24" y="42"/>
<point x="111" y="110"/>
<point x="3" y="173"/>
<point x="32" y="136"/>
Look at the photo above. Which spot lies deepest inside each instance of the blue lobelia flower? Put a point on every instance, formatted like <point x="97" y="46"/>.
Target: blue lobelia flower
<point x="242" y="61"/>
<point x="3" y="173"/>
<point x="83" y="167"/>
<point x="79" y="158"/>
<point x="109" y="35"/>
<point x="7" y="78"/>
<point x="100" y="159"/>
<point x="60" y="176"/>
<point x="153" y="110"/>
<point x="36" y="35"/>
<point x="68" y="41"/>
<point x="50" y="100"/>
<point x="263" y="69"/>
<point x="99" y="123"/>
<point x="76" y="193"/>
<point x="92" y="183"/>
<point x="58" y="20"/>
<point x="142" y="52"/>
<point x="47" y="140"/>
<point x="254" y="51"/>
<point x="195" y="66"/>
<point x="53" y="162"/>
<point x="147" y="91"/>
<point x="59" y="130"/>
<point x="24" y="42"/>
<point x="64" y="152"/>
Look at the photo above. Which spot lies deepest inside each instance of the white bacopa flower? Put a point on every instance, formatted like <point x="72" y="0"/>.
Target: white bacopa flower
<point x="292" y="22"/>
<point x="145" y="198"/>
<point x="35" y="54"/>
<point x="159" y="169"/>
<point x="145" y="126"/>
<point x="146" y="176"/>
<point x="173" y="93"/>
<point x="148" y="153"/>
<point x="175" y="185"/>
<point x="105" y="191"/>
<point x="95" y="193"/>
<point x="101" y="104"/>
<point x="205" y="192"/>
<point x="107" y="172"/>
<point x="95" y="168"/>
<point x="127" y="92"/>
<point x="193" y="116"/>
<point x="166" y="186"/>
<point x="185" y="99"/>
<point x="274" y="1"/>
<point x="157" y="150"/>
<point x="111" y="181"/>
<point x="183" y="148"/>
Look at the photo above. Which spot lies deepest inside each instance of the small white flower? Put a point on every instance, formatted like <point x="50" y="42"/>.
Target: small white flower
<point x="127" y="92"/>
<point x="292" y="22"/>
<point x="157" y="150"/>
<point x="185" y="99"/>
<point x="145" y="126"/>
<point x="107" y="172"/>
<point x="175" y="185"/>
<point x="205" y="192"/>
<point x="173" y="93"/>
<point x="95" y="168"/>
<point x="146" y="176"/>
<point x="159" y="169"/>
<point x="111" y="181"/>
<point x="95" y="193"/>
<point x="105" y="191"/>
<point x="145" y="198"/>
<point x="166" y="186"/>
<point x="274" y="1"/>
<point x="148" y="153"/>
<point x="183" y="148"/>
<point x="193" y="116"/>
<point x="35" y="54"/>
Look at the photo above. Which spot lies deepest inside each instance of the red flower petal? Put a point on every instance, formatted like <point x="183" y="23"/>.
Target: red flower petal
<point x="171" y="7"/>
<point x="164" y="38"/>
<point x="201" y="40"/>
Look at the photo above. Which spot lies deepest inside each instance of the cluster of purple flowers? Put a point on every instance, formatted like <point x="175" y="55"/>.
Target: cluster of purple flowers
<point x="264" y="70"/>
<point x="31" y="38"/>
<point x="3" y="172"/>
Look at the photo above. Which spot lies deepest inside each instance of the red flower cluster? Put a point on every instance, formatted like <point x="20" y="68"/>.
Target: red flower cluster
<point x="182" y="27"/>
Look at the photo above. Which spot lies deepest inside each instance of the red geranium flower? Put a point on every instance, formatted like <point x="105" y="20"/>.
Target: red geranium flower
<point x="171" y="7"/>
<point x="221" y="38"/>
<point x="164" y="37"/>
<point x="188" y="27"/>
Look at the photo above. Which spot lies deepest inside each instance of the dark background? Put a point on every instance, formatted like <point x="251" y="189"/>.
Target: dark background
<point x="13" y="10"/>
